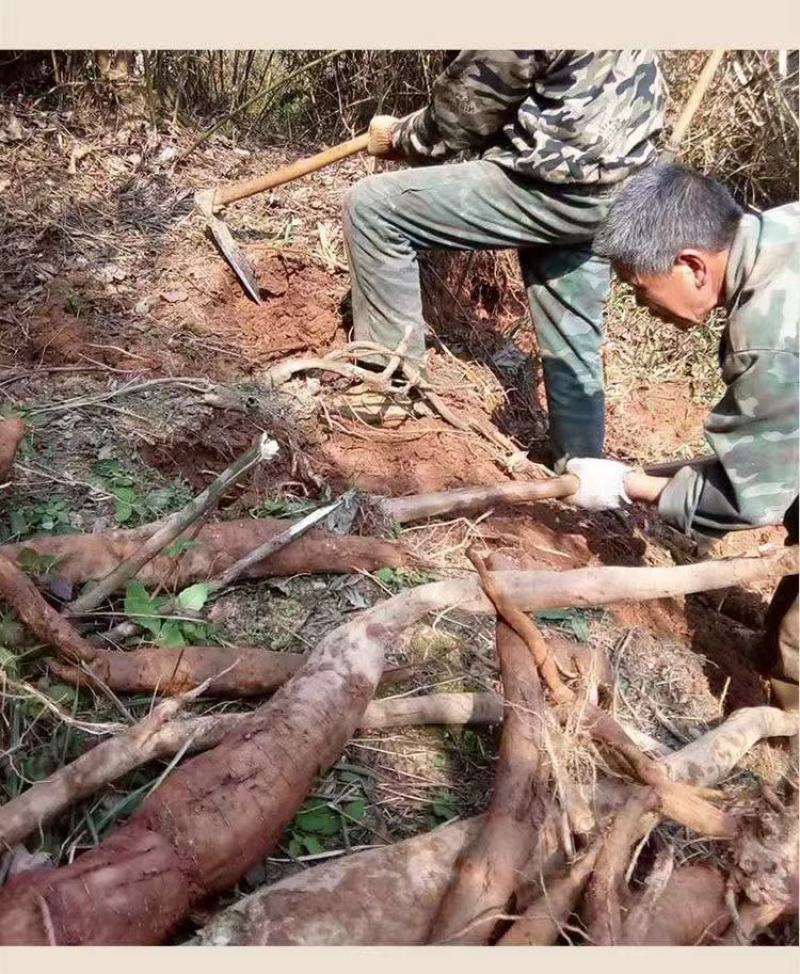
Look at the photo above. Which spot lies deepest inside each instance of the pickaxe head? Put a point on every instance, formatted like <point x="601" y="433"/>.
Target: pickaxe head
<point x="204" y="200"/>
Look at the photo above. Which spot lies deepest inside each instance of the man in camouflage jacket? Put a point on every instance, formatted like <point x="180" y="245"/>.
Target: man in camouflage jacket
<point x="557" y="133"/>
<point x="686" y="248"/>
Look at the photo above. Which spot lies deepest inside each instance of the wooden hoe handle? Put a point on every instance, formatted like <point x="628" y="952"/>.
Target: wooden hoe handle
<point x="685" y="118"/>
<point x="249" y="187"/>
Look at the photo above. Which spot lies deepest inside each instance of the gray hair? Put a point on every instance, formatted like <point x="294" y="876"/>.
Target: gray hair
<point x="661" y="211"/>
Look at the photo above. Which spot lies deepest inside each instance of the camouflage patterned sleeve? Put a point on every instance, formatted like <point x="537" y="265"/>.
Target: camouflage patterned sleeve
<point x="753" y="432"/>
<point x="471" y="100"/>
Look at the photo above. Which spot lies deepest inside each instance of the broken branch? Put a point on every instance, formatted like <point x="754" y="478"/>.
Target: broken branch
<point x="173" y="526"/>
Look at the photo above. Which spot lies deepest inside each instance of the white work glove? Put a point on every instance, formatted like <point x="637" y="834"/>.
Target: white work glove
<point x="602" y="483"/>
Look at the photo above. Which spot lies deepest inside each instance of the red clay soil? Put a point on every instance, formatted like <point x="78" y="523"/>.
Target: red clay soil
<point x="299" y="314"/>
<point x="423" y="455"/>
<point x="659" y="419"/>
<point x="209" y="446"/>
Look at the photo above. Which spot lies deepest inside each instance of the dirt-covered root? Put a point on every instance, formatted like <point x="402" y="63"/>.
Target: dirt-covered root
<point x="234" y="671"/>
<point x="339" y="903"/>
<point x="133" y="889"/>
<point x="545" y="919"/>
<point x="603" y="901"/>
<point x="218" y="546"/>
<point x="380" y="897"/>
<point x="227" y="671"/>
<point x="11" y="432"/>
<point x="488" y="872"/>
<point x="218" y="813"/>
<point x="690" y="911"/>
<point x="164" y="734"/>
<point x="40" y="617"/>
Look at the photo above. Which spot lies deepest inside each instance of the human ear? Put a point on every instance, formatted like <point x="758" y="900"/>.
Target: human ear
<point x="692" y="262"/>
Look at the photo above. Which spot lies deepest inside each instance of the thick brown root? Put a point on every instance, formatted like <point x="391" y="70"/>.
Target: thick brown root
<point x="489" y="871"/>
<point x="42" y="619"/>
<point x="234" y="671"/>
<point x="379" y="897"/>
<point x="603" y="901"/>
<point x="162" y="735"/>
<point x="217" y="813"/>
<point x="545" y="919"/>
<point x="690" y="911"/>
<point x="264" y="919"/>
<point x="11" y="432"/>
<point x="219" y="545"/>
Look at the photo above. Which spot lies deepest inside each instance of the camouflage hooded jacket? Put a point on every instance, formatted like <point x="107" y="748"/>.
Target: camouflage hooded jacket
<point x="585" y="117"/>
<point x="753" y="430"/>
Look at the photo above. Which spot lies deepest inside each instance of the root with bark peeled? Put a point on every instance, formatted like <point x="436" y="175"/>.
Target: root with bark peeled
<point x="470" y="500"/>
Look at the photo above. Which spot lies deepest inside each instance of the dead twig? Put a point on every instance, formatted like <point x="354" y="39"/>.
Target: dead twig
<point x="173" y="526"/>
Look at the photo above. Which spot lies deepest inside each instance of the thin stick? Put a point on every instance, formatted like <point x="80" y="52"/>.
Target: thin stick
<point x="296" y="530"/>
<point x="173" y="526"/>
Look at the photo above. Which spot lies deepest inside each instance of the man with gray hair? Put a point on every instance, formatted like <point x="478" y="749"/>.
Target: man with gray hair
<point x="686" y="248"/>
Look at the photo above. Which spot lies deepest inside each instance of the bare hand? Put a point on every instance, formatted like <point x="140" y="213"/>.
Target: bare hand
<point x="380" y="136"/>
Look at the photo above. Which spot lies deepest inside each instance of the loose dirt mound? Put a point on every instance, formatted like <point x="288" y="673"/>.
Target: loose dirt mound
<point x="426" y="456"/>
<point x="299" y="313"/>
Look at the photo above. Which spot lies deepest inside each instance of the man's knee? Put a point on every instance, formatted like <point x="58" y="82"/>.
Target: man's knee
<point x="362" y="204"/>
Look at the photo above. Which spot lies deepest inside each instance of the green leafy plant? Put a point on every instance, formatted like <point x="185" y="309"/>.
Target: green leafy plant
<point x="146" y="611"/>
<point x="284" y="507"/>
<point x="314" y="820"/>
<point x="38" y="517"/>
<point x="73" y="304"/>
<point x="444" y="806"/>
<point x="136" y="503"/>
<point x="400" y="578"/>
<point x="8" y="662"/>
<point x="571" y="619"/>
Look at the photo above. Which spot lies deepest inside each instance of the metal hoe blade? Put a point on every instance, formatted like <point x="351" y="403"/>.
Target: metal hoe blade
<point x="228" y="248"/>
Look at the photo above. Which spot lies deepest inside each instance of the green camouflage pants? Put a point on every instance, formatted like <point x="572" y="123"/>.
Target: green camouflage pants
<point x="391" y="217"/>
